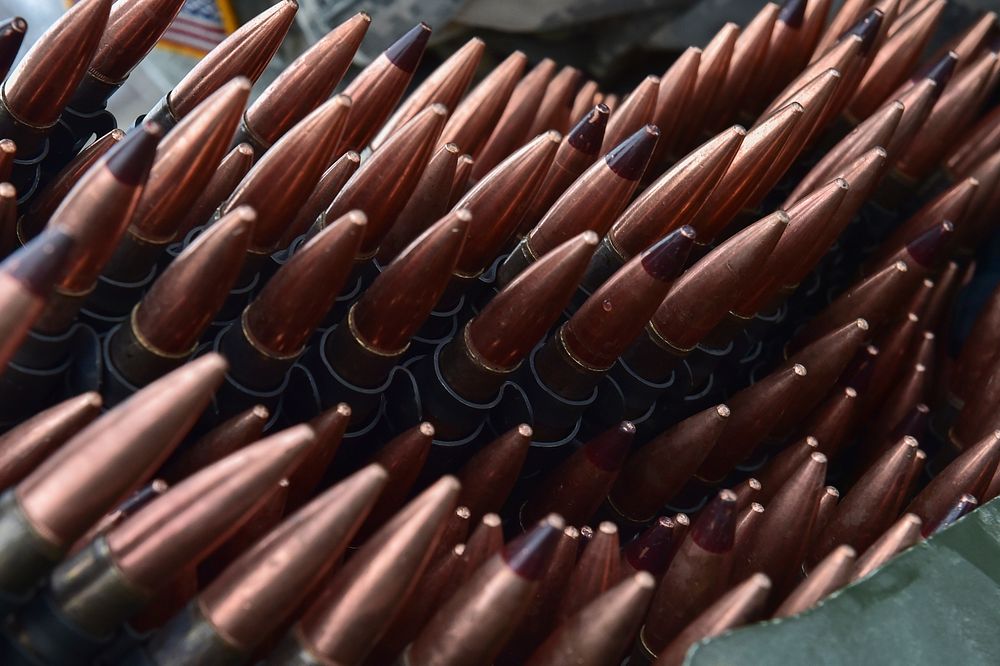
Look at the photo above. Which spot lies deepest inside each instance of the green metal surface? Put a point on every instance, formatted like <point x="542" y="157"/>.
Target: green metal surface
<point x="935" y="604"/>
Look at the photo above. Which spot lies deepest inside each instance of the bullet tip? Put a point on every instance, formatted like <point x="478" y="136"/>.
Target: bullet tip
<point x="608" y="450"/>
<point x="588" y="134"/>
<point x="245" y="149"/>
<point x="18" y="24"/>
<point x="723" y="411"/>
<point x="408" y="49"/>
<point x="629" y="158"/>
<point x="799" y="369"/>
<point x="666" y="259"/>
<point x="8" y="146"/>
<point x="426" y="429"/>
<point x="645" y="580"/>
<point x="793" y="13"/>
<point x="941" y="72"/>
<point x="131" y="159"/>
<point x="528" y="554"/>
<point x="524" y="430"/>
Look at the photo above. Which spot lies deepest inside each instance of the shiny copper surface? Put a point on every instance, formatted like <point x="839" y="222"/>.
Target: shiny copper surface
<point x="329" y="427"/>
<point x="634" y="113"/>
<point x="828" y="576"/>
<point x="230" y="172"/>
<point x="132" y="30"/>
<point x="326" y="190"/>
<point x="903" y="534"/>
<point x="216" y="444"/>
<point x="474" y="118"/>
<point x="554" y="112"/>
<point x="489" y="476"/>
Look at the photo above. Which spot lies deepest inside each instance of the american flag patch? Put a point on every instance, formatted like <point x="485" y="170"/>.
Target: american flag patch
<point x="199" y="27"/>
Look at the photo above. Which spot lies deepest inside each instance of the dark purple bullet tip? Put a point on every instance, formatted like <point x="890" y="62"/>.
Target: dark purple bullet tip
<point x="39" y="264"/>
<point x="629" y="158"/>
<point x="667" y="258"/>
<point x="16" y="24"/>
<point x="715" y="528"/>
<point x="406" y="52"/>
<point x="941" y="71"/>
<point x="131" y="159"/>
<point x="867" y="29"/>
<point x="653" y="549"/>
<point x="588" y="134"/>
<point x="793" y="13"/>
<point x="529" y="553"/>
<point x="926" y="248"/>
<point x="608" y="450"/>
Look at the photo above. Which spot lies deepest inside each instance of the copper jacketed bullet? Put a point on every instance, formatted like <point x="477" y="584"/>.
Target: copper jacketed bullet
<point x="832" y="422"/>
<point x="962" y="506"/>
<point x="781" y="467"/>
<point x="230" y="172"/>
<point x="629" y="118"/>
<point x="713" y="67"/>
<point x="403" y="457"/>
<point x="737" y="607"/>
<point x="654" y="548"/>
<point x="489" y="476"/>
<point x="475" y="117"/>
<point x="556" y="106"/>
<point x="27" y="445"/>
<point x="326" y="190"/>
<point x="76" y="485"/>
<point x="245" y="52"/>
<point x="655" y="473"/>
<point x="43" y="82"/>
<point x="903" y="534"/>
<point x="673" y="101"/>
<point x="595" y="572"/>
<point x="12" y="32"/>
<point x="165" y="326"/>
<point x="377" y="89"/>
<point x="577" y="488"/>
<point x="329" y="427"/>
<point x="216" y="444"/>
<point x="697" y="576"/>
<point x="599" y="633"/>
<point x="745" y="73"/>
<point x="27" y="279"/>
<point x="445" y="85"/>
<point x="92" y="593"/>
<point x="262" y="589"/>
<point x="358" y="603"/>
<point x="303" y="85"/>
<point x="472" y="627"/>
<point x="827" y="577"/>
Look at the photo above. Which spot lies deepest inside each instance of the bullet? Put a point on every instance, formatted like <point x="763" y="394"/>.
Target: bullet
<point x="697" y="575"/>
<point x="92" y="593"/>
<point x="185" y="162"/>
<point x="848" y="14"/>
<point x="357" y="605"/>
<point x="748" y="522"/>
<point x="165" y="326"/>
<point x="429" y="202"/>
<point x="326" y="190"/>
<point x="42" y="83"/>
<point x="484" y="542"/>
<point x="475" y="116"/>
<point x="8" y="218"/>
<point x="760" y="146"/>
<point x="599" y="633"/>
<point x="673" y="102"/>
<point x="674" y="198"/>
<point x="302" y="86"/>
<point x="489" y="476"/>
<point x="378" y="327"/>
<point x="329" y="427"/>
<point x="131" y="32"/>
<point x="962" y="506"/>
<point x="747" y="493"/>
<point x="635" y="113"/>
<point x="96" y="212"/>
<point x="977" y="143"/>
<point x="511" y="129"/>
<point x="275" y="327"/>
<point x="871" y="504"/>
<point x="500" y="200"/>
<point x="702" y="296"/>
<point x="911" y="389"/>
<point x="970" y="473"/>
<point x="27" y="279"/>
<point x="460" y="185"/>
<point x="612" y="317"/>
<point x="833" y="421"/>
<point x="737" y="607"/>
<point x="128" y="507"/>
<point x="903" y="534"/>
<point x="576" y="489"/>
<point x="540" y="618"/>
<point x="245" y="52"/>
<point x="12" y="32"/>
<point x="474" y="624"/>
<point x="713" y="66"/>
<point x="977" y="352"/>
<point x="455" y="531"/>
<point x="951" y="111"/>
<point x="384" y="183"/>
<point x="274" y="188"/>
<point x="918" y="100"/>
<point x="402" y="458"/>
<point x="596" y="572"/>
<point x="826" y="578"/>
<point x="230" y="172"/>
<point x="968" y="43"/>
<point x="783" y="57"/>
<point x="445" y="85"/>
<point x="557" y="103"/>
<point x="377" y="89"/>
<point x="262" y="589"/>
<point x="61" y="498"/>
<point x="828" y="501"/>
<point x="653" y="549"/>
<point x="875" y="299"/>
<point x="8" y="152"/>
<point x="778" y="544"/>
<point x="216" y="444"/>
<point x="27" y="445"/>
<point x="951" y="206"/>
<point x="746" y="71"/>
<point x="577" y="151"/>
<point x="654" y="474"/>
<point x="894" y="61"/>
<point x="781" y="467"/>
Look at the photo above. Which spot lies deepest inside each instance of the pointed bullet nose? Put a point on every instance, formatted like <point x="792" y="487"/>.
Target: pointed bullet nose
<point x="867" y="29"/>
<point x="926" y="248"/>
<point x="793" y="13"/>
<point x="608" y="450"/>
<point x="130" y="160"/>
<point x="715" y="527"/>
<point x="629" y="158"/>
<point x="666" y="260"/>
<point x="652" y="550"/>
<point x="528" y="555"/>
<point x="588" y="134"/>
<point x="39" y="264"/>
<point x="405" y="53"/>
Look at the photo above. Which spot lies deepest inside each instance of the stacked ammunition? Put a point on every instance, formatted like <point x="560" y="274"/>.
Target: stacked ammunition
<point x="483" y="370"/>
